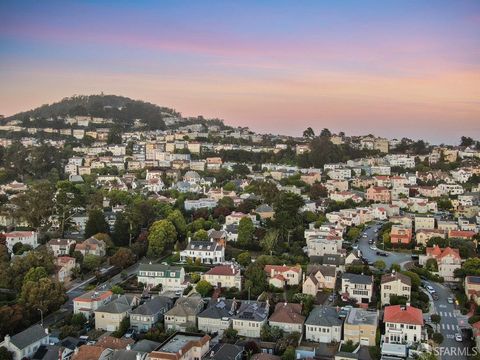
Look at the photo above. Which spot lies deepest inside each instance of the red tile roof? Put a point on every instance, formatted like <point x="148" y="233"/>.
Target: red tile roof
<point x="403" y="315"/>
<point x="282" y="268"/>
<point x="223" y="270"/>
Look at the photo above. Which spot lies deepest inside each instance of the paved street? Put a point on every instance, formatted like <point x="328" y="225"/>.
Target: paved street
<point x="369" y="254"/>
<point x="450" y="324"/>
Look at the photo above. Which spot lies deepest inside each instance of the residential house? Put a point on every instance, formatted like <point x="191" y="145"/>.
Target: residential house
<point x="169" y="277"/>
<point x="145" y="316"/>
<point x="448" y="260"/>
<point x="424" y="222"/>
<point x="109" y="316"/>
<point x="423" y="236"/>
<point x="250" y="318"/>
<point x="60" y="247"/>
<point x="461" y="234"/>
<point x="361" y="327"/>
<point x="217" y="317"/>
<point x="182" y="346"/>
<point x="224" y="276"/>
<point x="400" y="235"/>
<point x="209" y="252"/>
<point x="24" y="237"/>
<point x="288" y="317"/>
<point x="281" y="275"/>
<point x="378" y="194"/>
<point x="92" y="246"/>
<point x="323" y="325"/>
<point x="357" y="287"/>
<point x="184" y="314"/>
<point x="265" y="212"/>
<point x="64" y="268"/>
<point x="472" y="288"/>
<point x="395" y="284"/>
<point x="403" y="324"/>
<point x="26" y="343"/>
<point x="319" y="277"/>
<point x="91" y="301"/>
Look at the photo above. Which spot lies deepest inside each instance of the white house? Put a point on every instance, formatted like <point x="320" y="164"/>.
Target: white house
<point x="169" y="277"/>
<point x="209" y="252"/>
<point x="24" y="237"/>
<point x="403" y="324"/>
<point x="26" y="343"/>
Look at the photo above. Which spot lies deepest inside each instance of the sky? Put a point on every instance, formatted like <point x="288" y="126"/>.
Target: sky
<point x="393" y="68"/>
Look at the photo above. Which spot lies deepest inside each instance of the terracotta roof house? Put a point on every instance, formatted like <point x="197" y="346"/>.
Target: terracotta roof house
<point x="281" y="275"/>
<point x="448" y="260"/>
<point x="288" y="317"/>
<point x="461" y="234"/>
<point x="90" y="352"/>
<point x="224" y="276"/>
<point x="403" y="324"/>
<point x="182" y="346"/>
<point x="472" y="288"/>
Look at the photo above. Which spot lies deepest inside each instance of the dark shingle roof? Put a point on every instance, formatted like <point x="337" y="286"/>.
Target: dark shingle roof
<point x="358" y="278"/>
<point x="153" y="306"/>
<point x="324" y="316"/>
<point x="28" y="336"/>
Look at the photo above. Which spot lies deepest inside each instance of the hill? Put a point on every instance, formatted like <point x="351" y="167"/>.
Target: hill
<point x="121" y="110"/>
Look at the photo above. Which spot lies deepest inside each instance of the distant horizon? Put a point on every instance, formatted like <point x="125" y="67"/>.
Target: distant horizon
<point x="317" y="130"/>
<point x="395" y="69"/>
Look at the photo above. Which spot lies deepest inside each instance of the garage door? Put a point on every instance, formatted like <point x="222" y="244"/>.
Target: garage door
<point x="364" y="341"/>
<point x="324" y="339"/>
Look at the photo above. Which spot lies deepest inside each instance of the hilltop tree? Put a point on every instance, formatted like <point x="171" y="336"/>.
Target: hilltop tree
<point x="308" y="133"/>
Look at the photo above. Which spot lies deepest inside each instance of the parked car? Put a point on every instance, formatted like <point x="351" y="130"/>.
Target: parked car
<point x="458" y="337"/>
<point x="130" y="333"/>
<point x="450" y="300"/>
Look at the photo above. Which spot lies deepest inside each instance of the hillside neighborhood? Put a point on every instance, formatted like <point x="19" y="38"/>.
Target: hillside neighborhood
<point x="129" y="232"/>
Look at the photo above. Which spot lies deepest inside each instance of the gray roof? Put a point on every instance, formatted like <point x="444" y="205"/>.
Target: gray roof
<point x="253" y="311"/>
<point x="324" y="316"/>
<point x="186" y="306"/>
<point x="325" y="270"/>
<point x="358" y="278"/>
<point x="158" y="267"/>
<point x="223" y="351"/>
<point x="360" y="316"/>
<point x="264" y="208"/>
<point x="153" y="306"/>
<point x="117" y="306"/>
<point x="124" y="355"/>
<point x="48" y="352"/>
<point x="220" y="309"/>
<point x="145" y="346"/>
<point x="28" y="336"/>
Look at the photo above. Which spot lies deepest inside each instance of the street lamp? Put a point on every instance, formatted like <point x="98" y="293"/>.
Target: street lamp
<point x="41" y="316"/>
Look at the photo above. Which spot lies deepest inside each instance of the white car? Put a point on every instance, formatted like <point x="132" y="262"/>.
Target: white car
<point x="373" y="248"/>
<point x="450" y="300"/>
<point x="458" y="337"/>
